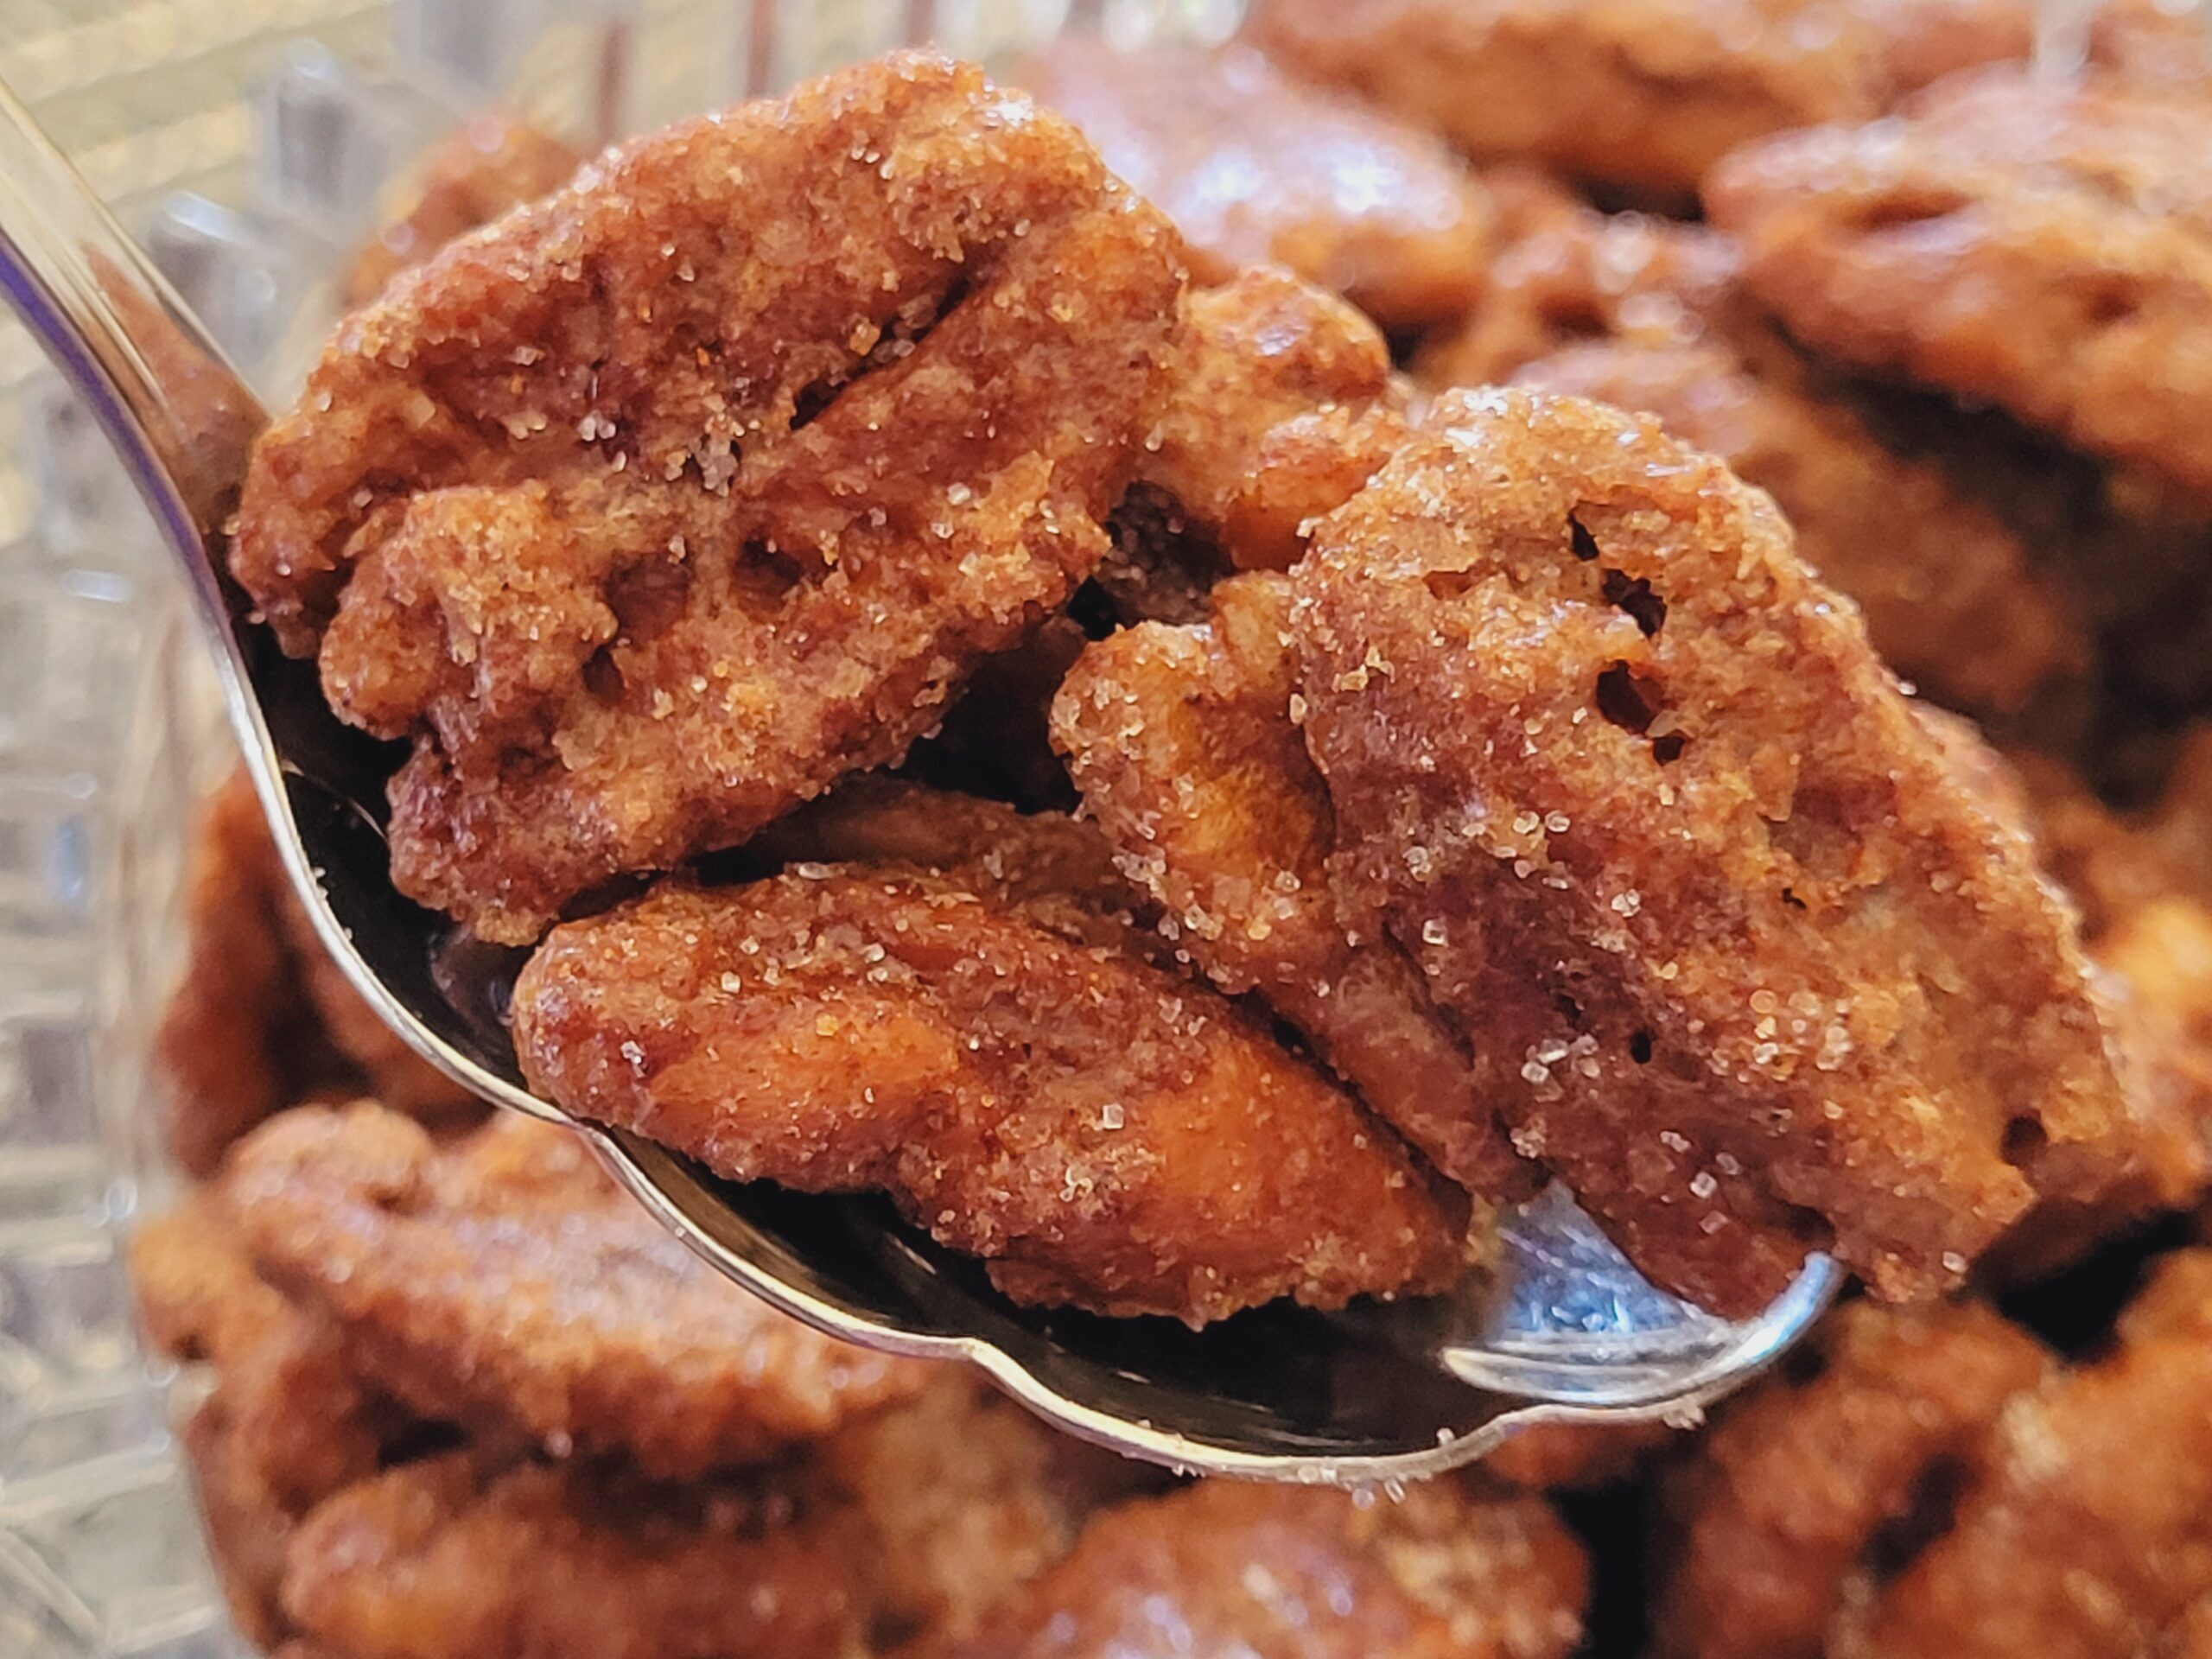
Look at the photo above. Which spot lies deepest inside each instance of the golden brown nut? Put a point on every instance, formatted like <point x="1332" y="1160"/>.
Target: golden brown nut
<point x="1803" y="1483"/>
<point x="1744" y="960"/>
<point x="1952" y="597"/>
<point x="1640" y="96"/>
<point x="2087" y="1531"/>
<point x="449" y="1556"/>
<point x="1278" y="1573"/>
<point x="1256" y="168"/>
<point x="263" y="1017"/>
<point x="287" y="1423"/>
<point x="955" y="1499"/>
<point x="2014" y="241"/>
<point x="1102" y="1133"/>
<point x="487" y="166"/>
<point x="1183" y="744"/>
<point x="506" y="1282"/>
<point x="704" y="481"/>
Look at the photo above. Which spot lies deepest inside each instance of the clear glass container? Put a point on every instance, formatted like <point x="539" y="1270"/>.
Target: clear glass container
<point x="252" y="144"/>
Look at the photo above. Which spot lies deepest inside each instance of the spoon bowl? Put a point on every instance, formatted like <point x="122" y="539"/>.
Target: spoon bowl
<point x="1561" y="1328"/>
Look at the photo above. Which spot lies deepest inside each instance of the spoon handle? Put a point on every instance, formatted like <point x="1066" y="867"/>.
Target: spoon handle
<point x="172" y="407"/>
<point x="171" y="404"/>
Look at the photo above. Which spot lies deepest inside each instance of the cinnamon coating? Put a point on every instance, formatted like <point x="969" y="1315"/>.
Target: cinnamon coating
<point x="506" y="1283"/>
<point x="1749" y="963"/>
<point x="1282" y="405"/>
<point x="1102" y="1133"/>
<point x="1952" y="597"/>
<point x="650" y="514"/>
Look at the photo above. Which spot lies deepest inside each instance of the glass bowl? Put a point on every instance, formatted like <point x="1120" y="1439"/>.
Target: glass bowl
<point x="251" y="144"/>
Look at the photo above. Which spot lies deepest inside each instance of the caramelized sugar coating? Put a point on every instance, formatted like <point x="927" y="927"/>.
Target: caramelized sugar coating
<point x="1282" y="405"/>
<point x="682" y="492"/>
<point x="2042" y="247"/>
<point x="1256" y="168"/>
<point x="262" y="1017"/>
<point x="287" y="1423"/>
<point x="1280" y="1573"/>
<point x="1748" y="963"/>
<point x="2087" y="1531"/>
<point x="1816" y="1474"/>
<point x="1644" y="96"/>
<point x="1566" y="273"/>
<point x="958" y="1499"/>
<point x="1102" y="1133"/>
<point x="451" y="1556"/>
<point x="486" y="166"/>
<point x="1952" y="597"/>
<point x="1183" y="744"/>
<point x="506" y="1283"/>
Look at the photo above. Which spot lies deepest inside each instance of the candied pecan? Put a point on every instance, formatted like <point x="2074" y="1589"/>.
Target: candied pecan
<point x="287" y="1423"/>
<point x="454" y="1555"/>
<point x="1278" y="1573"/>
<point x="2043" y="247"/>
<point x="683" y="492"/>
<point x="263" y="1017"/>
<point x="955" y="1499"/>
<point x="1642" y="96"/>
<point x="1745" y="961"/>
<point x="486" y="166"/>
<point x="1102" y="1132"/>
<point x="232" y="1044"/>
<point x="506" y="1282"/>
<point x="1183" y="743"/>
<point x="1820" y="1469"/>
<point x="2086" y="1529"/>
<point x="1254" y="166"/>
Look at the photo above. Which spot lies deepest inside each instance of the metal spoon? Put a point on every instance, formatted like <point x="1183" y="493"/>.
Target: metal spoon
<point x="1562" y="1330"/>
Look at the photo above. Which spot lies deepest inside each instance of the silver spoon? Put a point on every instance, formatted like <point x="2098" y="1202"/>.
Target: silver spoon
<point x="1563" y="1330"/>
